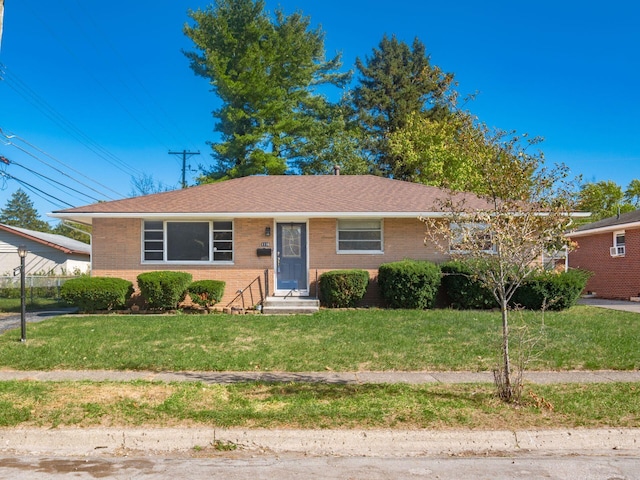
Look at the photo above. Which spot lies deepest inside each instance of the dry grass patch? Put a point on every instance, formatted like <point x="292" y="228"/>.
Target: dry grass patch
<point x="256" y="405"/>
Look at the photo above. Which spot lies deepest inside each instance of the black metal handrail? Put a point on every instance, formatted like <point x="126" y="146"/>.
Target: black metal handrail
<point x="249" y="290"/>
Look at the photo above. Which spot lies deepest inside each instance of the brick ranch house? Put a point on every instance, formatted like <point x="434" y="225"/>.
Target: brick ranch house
<point x="610" y="248"/>
<point x="286" y="230"/>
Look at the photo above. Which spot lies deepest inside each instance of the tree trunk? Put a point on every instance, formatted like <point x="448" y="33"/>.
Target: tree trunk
<point x="506" y="387"/>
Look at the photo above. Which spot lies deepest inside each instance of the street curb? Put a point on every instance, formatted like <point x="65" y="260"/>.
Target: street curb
<point x="368" y="443"/>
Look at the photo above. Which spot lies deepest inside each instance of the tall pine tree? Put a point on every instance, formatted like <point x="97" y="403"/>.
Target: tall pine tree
<point x="20" y="212"/>
<point x="396" y="82"/>
<point x="266" y="72"/>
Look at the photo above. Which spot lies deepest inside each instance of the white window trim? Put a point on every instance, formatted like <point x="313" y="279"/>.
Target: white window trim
<point x="618" y="250"/>
<point x="360" y="252"/>
<point x="211" y="261"/>
<point x="492" y="251"/>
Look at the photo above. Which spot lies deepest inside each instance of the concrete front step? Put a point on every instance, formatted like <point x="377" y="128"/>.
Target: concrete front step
<point x="290" y="305"/>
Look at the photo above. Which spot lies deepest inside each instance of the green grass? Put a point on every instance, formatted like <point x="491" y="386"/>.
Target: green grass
<point x="13" y="304"/>
<point x="256" y="405"/>
<point x="341" y="340"/>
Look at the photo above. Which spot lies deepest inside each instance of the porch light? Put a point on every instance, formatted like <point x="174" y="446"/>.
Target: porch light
<point x="267" y="231"/>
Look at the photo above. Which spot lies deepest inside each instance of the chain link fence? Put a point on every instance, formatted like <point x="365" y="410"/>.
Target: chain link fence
<point x="36" y="287"/>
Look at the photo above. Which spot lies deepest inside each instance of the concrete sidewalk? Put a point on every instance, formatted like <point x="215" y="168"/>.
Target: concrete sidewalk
<point x="546" y="377"/>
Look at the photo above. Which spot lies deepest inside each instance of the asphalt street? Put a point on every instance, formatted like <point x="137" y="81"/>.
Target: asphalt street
<point x="295" y="467"/>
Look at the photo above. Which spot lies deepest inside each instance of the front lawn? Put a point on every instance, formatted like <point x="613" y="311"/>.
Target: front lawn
<point x="341" y="340"/>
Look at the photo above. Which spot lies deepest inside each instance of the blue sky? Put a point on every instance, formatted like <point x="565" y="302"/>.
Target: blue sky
<point x="104" y="90"/>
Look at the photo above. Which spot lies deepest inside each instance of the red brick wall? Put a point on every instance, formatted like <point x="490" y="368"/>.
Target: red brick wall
<point x="117" y="252"/>
<point x="613" y="277"/>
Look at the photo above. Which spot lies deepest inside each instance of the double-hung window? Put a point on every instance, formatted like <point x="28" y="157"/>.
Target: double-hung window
<point x="618" y="249"/>
<point x="187" y="241"/>
<point x="359" y="236"/>
<point x="467" y="237"/>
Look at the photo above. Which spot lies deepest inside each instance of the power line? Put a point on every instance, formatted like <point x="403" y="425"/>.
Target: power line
<point x="34" y="189"/>
<point x="175" y="127"/>
<point x="11" y="136"/>
<point x="50" y="180"/>
<point x="22" y="89"/>
<point x="184" y="154"/>
<point x="95" y="79"/>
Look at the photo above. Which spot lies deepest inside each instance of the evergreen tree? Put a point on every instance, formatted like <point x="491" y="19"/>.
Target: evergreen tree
<point x="396" y="82"/>
<point x="265" y="71"/>
<point x="20" y="212"/>
<point x="338" y="142"/>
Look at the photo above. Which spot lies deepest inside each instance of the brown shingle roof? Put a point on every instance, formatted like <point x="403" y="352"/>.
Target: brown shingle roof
<point x="611" y="222"/>
<point x="285" y="194"/>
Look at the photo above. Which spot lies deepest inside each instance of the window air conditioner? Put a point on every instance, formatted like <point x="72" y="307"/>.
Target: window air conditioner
<point x="617" y="251"/>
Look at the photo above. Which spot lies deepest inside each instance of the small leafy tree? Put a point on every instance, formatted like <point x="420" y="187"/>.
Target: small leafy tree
<point x="605" y="199"/>
<point x="632" y="193"/>
<point x="526" y="212"/>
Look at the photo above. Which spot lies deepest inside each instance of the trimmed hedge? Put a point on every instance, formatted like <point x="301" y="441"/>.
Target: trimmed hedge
<point x="409" y="283"/>
<point x="164" y="289"/>
<point x="553" y="290"/>
<point x="206" y="292"/>
<point x="343" y="288"/>
<point x="462" y="291"/>
<point x="92" y="294"/>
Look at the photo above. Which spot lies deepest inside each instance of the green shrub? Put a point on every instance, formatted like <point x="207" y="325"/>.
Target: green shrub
<point x="206" y="292"/>
<point x="10" y="292"/>
<point x="164" y="289"/>
<point x="409" y="283"/>
<point x="91" y="294"/>
<point x="462" y="290"/>
<point x="343" y="288"/>
<point x="553" y="290"/>
<point x="35" y="292"/>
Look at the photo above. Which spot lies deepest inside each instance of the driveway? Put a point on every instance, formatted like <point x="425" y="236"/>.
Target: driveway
<point x="9" y="322"/>
<point x="611" y="304"/>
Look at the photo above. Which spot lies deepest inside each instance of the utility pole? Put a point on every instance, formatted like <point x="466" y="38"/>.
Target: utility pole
<point x="185" y="155"/>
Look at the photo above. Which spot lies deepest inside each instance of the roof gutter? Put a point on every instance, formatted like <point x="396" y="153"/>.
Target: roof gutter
<point x="89" y="216"/>
<point x="607" y="229"/>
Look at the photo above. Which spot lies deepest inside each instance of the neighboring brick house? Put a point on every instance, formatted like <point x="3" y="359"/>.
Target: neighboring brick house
<point x="610" y="248"/>
<point x="285" y="229"/>
<point x="48" y="254"/>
